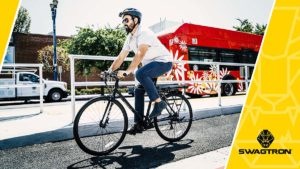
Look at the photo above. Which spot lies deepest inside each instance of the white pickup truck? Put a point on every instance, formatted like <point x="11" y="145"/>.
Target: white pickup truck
<point x="54" y="91"/>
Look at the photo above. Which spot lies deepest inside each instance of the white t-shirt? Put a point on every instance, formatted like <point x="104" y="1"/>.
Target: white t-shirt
<point x="156" y="52"/>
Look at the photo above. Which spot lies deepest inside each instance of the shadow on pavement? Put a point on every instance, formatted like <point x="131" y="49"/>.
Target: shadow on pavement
<point x="138" y="157"/>
<point x="18" y="117"/>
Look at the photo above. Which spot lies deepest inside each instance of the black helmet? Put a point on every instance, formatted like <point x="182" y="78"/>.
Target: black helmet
<point x="132" y="12"/>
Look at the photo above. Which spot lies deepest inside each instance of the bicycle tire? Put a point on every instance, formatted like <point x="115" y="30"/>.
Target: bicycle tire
<point x="83" y="127"/>
<point x="166" y="126"/>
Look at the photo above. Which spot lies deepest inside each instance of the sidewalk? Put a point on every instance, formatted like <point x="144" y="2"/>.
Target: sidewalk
<point x="23" y="125"/>
<point x="24" y="122"/>
<point x="211" y="160"/>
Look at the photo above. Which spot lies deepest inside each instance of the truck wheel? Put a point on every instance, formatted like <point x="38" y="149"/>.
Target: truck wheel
<point x="228" y="89"/>
<point x="54" y="95"/>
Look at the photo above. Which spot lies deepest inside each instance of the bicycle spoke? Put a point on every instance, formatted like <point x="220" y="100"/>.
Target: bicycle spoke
<point x="174" y="125"/>
<point x="95" y="138"/>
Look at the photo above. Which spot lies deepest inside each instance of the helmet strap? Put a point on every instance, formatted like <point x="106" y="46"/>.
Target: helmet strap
<point x="135" y="24"/>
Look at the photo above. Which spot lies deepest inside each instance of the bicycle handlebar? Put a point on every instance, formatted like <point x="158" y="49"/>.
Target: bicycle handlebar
<point x="113" y="75"/>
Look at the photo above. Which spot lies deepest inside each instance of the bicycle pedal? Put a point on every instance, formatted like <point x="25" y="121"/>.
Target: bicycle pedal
<point x="131" y="133"/>
<point x="134" y="133"/>
<point x="149" y="126"/>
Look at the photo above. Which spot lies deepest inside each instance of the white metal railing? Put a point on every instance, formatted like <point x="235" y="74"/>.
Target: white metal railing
<point x="183" y="81"/>
<point x="14" y="68"/>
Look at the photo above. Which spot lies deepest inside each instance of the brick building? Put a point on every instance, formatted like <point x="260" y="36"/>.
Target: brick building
<point x="26" y="47"/>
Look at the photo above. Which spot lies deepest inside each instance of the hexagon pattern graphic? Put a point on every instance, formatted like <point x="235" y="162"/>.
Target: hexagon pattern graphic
<point x="273" y="99"/>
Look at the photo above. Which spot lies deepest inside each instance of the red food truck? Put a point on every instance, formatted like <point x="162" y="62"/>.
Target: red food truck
<point x="190" y="42"/>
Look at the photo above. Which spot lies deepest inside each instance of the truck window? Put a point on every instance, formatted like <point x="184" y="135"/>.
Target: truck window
<point x="202" y="54"/>
<point x="29" y="77"/>
<point x="21" y="77"/>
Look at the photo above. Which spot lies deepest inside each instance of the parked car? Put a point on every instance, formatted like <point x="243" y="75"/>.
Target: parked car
<point x="53" y="91"/>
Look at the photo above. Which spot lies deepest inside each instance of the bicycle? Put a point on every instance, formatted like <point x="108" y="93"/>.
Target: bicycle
<point x="101" y="124"/>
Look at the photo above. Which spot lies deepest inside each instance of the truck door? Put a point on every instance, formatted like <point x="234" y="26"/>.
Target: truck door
<point x="27" y="79"/>
<point x="8" y="92"/>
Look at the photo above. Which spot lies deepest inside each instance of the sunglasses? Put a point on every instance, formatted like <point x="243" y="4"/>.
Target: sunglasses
<point x="126" y="20"/>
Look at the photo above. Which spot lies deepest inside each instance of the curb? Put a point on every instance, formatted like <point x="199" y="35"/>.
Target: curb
<point x="66" y="133"/>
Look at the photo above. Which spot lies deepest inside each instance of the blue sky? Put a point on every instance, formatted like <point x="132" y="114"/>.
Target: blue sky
<point x="99" y="13"/>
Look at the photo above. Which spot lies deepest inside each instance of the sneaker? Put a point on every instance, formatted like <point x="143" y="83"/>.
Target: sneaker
<point x="148" y="125"/>
<point x="158" y="108"/>
<point x="136" y="128"/>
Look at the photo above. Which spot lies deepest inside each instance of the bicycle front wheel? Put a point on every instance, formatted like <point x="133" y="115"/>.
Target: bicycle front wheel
<point x="100" y="126"/>
<point x="176" y="120"/>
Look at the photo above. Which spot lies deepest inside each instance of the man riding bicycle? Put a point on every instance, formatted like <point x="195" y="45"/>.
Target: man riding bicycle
<point x="155" y="58"/>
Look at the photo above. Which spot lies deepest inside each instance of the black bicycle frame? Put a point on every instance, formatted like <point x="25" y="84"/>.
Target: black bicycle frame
<point x="117" y="92"/>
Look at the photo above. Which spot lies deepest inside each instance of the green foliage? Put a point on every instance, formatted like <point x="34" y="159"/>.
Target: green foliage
<point x="87" y="91"/>
<point x="260" y="29"/>
<point x="246" y="26"/>
<point x="90" y="91"/>
<point x="23" y="21"/>
<point x="45" y="56"/>
<point x="102" y="42"/>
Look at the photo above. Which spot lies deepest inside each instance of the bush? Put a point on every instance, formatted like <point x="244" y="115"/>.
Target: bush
<point x="90" y="91"/>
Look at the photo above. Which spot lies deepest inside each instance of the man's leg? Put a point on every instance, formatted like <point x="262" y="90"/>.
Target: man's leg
<point x="144" y="75"/>
<point x="139" y="93"/>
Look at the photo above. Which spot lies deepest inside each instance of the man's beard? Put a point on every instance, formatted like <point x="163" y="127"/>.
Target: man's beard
<point x="128" y="29"/>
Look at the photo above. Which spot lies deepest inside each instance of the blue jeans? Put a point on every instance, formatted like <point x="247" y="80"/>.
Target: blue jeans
<point x="145" y="76"/>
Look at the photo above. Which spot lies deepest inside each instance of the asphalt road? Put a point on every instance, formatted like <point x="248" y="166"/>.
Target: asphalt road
<point x="146" y="150"/>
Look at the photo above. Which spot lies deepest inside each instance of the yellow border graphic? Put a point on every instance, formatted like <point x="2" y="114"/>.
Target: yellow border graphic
<point x="273" y="101"/>
<point x="8" y="14"/>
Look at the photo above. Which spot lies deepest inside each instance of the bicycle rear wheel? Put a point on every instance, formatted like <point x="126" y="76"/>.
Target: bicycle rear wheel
<point x="100" y="126"/>
<point x="176" y="120"/>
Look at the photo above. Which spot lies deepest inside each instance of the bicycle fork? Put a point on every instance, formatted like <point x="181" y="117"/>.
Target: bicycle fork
<point x="105" y="118"/>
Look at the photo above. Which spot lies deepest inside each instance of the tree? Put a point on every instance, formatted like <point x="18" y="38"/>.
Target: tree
<point x="102" y="42"/>
<point x="244" y="26"/>
<point x="260" y="29"/>
<point x="23" y="21"/>
<point x="45" y="56"/>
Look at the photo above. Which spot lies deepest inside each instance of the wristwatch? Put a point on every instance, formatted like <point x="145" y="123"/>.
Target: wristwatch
<point x="125" y="74"/>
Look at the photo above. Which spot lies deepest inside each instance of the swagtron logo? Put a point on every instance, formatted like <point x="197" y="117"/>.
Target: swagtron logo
<point x="265" y="139"/>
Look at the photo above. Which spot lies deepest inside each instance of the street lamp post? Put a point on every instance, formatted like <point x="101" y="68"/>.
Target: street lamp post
<point x="53" y="7"/>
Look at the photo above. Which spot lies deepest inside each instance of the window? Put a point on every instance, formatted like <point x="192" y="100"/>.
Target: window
<point x="200" y="54"/>
<point x="229" y="56"/>
<point x="29" y="77"/>
<point x="10" y="55"/>
<point x="248" y="56"/>
<point x="204" y="55"/>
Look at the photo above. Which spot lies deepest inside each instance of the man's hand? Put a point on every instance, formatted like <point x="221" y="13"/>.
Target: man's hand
<point x="109" y="71"/>
<point x="122" y="74"/>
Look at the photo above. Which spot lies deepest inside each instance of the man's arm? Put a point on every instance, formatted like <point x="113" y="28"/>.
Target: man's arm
<point x="137" y="58"/>
<point x="120" y="59"/>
